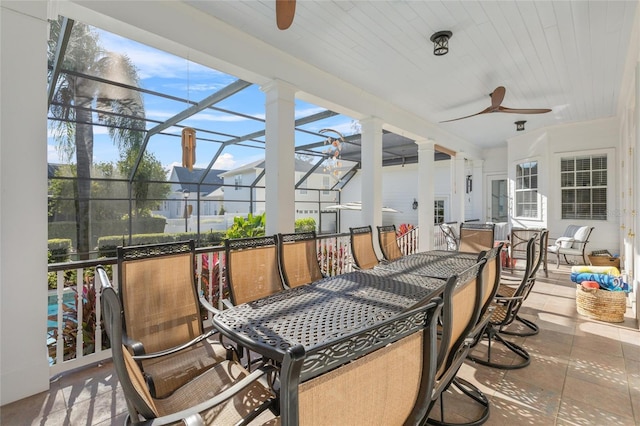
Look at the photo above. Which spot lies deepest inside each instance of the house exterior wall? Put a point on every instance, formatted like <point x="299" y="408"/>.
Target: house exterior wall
<point x="548" y="147"/>
<point x="399" y="190"/>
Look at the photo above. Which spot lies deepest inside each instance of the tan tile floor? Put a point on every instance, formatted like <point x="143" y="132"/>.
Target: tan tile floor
<point x="582" y="372"/>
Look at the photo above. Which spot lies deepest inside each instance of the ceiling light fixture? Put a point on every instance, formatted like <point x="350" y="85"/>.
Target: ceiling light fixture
<point x="520" y="125"/>
<point x="441" y="42"/>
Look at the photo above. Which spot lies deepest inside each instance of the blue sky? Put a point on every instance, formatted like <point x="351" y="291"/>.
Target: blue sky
<point x="179" y="77"/>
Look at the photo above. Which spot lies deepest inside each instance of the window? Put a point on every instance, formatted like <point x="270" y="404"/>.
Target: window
<point x="583" y="182"/>
<point x="238" y="182"/>
<point x="326" y="184"/>
<point x="527" y="189"/>
<point x="303" y="187"/>
<point x="438" y="211"/>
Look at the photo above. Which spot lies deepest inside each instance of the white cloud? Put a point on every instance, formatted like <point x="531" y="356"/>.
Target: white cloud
<point x="225" y="162"/>
<point x="151" y="62"/>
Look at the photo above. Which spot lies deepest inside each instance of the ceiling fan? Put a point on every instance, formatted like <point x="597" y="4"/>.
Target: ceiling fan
<point x="285" y="11"/>
<point x="496" y="99"/>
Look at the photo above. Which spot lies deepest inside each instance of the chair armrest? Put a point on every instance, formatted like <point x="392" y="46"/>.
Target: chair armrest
<point x="208" y="306"/>
<point x="506" y="299"/>
<point x="510" y="279"/>
<point x="175" y="348"/>
<point x="192" y="415"/>
<point x="135" y="346"/>
<point x="227" y="303"/>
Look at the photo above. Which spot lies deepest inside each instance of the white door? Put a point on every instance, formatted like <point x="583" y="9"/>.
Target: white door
<point x="498" y="202"/>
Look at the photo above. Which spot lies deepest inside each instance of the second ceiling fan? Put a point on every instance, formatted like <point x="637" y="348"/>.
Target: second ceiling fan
<point x="497" y="96"/>
<point x="285" y="11"/>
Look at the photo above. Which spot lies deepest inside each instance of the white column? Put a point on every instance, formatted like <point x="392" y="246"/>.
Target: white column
<point x="426" y="179"/>
<point x="458" y="188"/>
<point x="371" y="162"/>
<point x="279" y="157"/>
<point x="24" y="368"/>
<point x="635" y="225"/>
<point x="477" y="192"/>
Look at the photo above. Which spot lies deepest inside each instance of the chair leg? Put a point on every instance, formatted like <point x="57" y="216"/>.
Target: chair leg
<point x="492" y="333"/>
<point x="529" y="324"/>
<point x="472" y="392"/>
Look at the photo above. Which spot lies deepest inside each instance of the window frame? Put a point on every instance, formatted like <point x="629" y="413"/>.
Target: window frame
<point x="526" y="165"/>
<point x="575" y="180"/>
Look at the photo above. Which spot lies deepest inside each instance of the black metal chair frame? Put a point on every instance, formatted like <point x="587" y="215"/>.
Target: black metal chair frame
<point x="510" y="305"/>
<point x="453" y="358"/>
<point x="540" y="260"/>
<point x="466" y="387"/>
<point x="137" y="405"/>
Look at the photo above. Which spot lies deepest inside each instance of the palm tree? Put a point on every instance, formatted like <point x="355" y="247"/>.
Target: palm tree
<point x="78" y="98"/>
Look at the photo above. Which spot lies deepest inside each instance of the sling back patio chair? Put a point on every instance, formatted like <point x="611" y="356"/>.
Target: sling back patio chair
<point x="572" y="243"/>
<point x="381" y="375"/>
<point x="252" y="268"/>
<point x="389" y="242"/>
<point x="225" y="394"/>
<point x="364" y="255"/>
<point x="462" y="303"/>
<point x="162" y="313"/>
<point x="508" y="286"/>
<point x="490" y="279"/>
<point x="476" y="237"/>
<point x="451" y="238"/>
<point x="299" y="258"/>
<point x="518" y="247"/>
<point x="505" y="310"/>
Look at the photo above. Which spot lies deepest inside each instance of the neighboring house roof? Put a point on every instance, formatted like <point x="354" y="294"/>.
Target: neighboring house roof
<point x="189" y="179"/>
<point x="301" y="166"/>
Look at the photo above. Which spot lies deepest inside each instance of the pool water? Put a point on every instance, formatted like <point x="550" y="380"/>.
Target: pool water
<point x="68" y="298"/>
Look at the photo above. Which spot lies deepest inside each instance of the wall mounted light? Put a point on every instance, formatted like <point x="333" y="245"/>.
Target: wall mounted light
<point x="469" y="183"/>
<point x="520" y="125"/>
<point x="415" y="204"/>
<point x="441" y="42"/>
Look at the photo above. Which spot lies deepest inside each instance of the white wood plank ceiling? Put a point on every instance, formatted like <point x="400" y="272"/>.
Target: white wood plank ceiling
<point x="564" y="55"/>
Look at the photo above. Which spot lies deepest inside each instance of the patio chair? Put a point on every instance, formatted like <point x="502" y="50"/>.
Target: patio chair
<point x="389" y="242"/>
<point x="505" y="310"/>
<point x="508" y="285"/>
<point x="223" y="394"/>
<point x="572" y="243"/>
<point x="449" y="231"/>
<point x="162" y="314"/>
<point x="518" y="246"/>
<point x="252" y="268"/>
<point x="380" y="375"/>
<point x="462" y="304"/>
<point x="364" y="254"/>
<point x="476" y="237"/>
<point x="299" y="258"/>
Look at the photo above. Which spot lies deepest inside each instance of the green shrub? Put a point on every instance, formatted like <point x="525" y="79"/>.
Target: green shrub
<point x="252" y="226"/>
<point x="59" y="250"/>
<point x="305" y="224"/>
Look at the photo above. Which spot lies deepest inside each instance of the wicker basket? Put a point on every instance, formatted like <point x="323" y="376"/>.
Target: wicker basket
<point x="602" y="305"/>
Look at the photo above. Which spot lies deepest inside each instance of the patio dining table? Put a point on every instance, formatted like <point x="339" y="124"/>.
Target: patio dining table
<point x="439" y="264"/>
<point x="314" y="315"/>
<point x="310" y="330"/>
